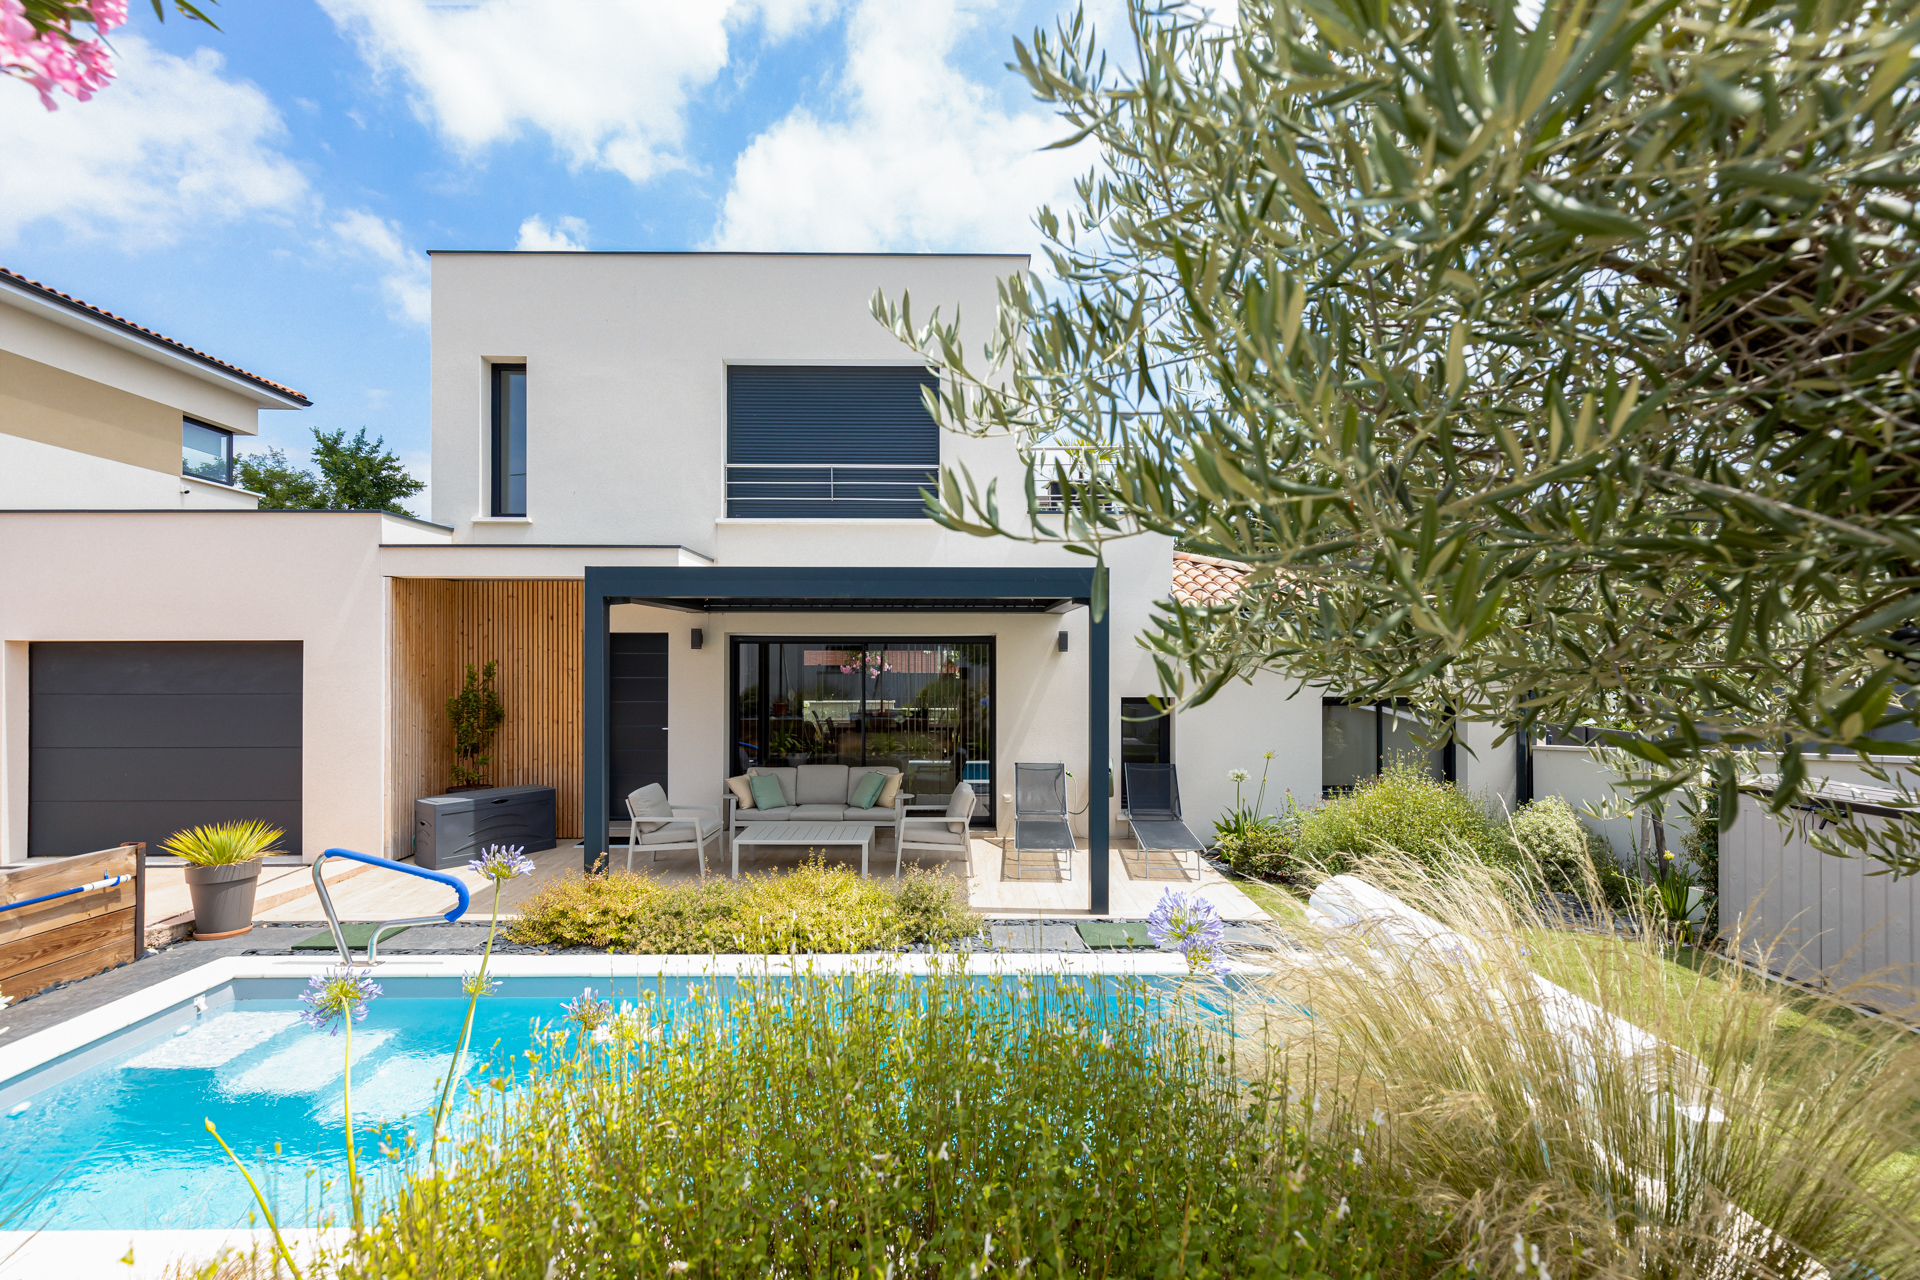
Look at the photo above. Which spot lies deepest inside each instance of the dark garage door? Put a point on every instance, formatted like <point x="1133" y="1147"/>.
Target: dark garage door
<point x="637" y="714"/>
<point x="135" y="741"/>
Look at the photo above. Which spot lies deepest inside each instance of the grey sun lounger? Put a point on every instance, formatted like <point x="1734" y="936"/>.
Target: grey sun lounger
<point x="1153" y="811"/>
<point x="1040" y="822"/>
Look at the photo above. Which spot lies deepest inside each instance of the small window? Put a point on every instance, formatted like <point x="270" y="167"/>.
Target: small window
<point x="509" y="440"/>
<point x="1359" y="740"/>
<point x="1146" y="737"/>
<point x="206" y="453"/>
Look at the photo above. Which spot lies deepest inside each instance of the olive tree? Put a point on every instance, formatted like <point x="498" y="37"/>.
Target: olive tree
<point x="1549" y="366"/>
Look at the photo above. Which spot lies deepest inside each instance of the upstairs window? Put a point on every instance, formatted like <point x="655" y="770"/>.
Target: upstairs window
<point x="829" y="442"/>
<point x="206" y="453"/>
<point x="509" y="440"/>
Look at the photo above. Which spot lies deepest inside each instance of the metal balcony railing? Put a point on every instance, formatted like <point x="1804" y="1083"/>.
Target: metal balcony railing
<point x="828" y="491"/>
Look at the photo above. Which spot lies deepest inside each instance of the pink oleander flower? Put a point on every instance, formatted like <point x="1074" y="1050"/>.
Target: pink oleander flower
<point x="55" y="59"/>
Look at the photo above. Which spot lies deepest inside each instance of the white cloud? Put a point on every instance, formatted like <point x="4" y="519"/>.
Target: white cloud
<point x="565" y="233"/>
<point x="404" y="275"/>
<point x="922" y="157"/>
<point x="171" y="145"/>
<point x="608" y="83"/>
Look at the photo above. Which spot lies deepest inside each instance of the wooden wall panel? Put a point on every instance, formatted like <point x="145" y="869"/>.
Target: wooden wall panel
<point x="532" y="630"/>
<point x="71" y="937"/>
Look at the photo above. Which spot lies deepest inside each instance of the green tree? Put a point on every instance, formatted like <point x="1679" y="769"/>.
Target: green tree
<point x="354" y="475"/>
<point x="1556" y="369"/>
<point x="282" y="486"/>
<point x="361" y="474"/>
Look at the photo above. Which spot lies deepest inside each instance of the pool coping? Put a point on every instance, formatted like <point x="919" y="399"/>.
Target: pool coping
<point x="50" y="1044"/>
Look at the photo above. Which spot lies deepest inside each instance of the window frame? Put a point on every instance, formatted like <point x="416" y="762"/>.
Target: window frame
<point x="225" y="435"/>
<point x="496" y="380"/>
<point x="1448" y="762"/>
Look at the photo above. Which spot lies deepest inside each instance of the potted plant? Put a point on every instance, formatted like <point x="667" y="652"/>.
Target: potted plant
<point x="476" y="714"/>
<point x="223" y="872"/>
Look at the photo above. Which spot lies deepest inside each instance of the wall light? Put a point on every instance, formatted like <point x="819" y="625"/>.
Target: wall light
<point x="1063" y="642"/>
<point x="699" y="637"/>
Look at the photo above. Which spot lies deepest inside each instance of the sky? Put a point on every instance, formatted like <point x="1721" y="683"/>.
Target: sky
<point x="267" y="192"/>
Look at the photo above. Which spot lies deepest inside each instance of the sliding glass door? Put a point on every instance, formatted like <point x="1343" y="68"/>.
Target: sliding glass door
<point x="923" y="706"/>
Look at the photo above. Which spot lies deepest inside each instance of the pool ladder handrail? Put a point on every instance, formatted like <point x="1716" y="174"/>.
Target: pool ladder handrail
<point x="373" y="943"/>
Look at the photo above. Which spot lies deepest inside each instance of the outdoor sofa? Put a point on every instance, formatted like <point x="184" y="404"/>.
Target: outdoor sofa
<point x="816" y="793"/>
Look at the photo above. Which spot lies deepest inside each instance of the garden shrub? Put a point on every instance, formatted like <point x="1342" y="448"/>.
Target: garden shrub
<point x="817" y="908"/>
<point x="1405" y="810"/>
<point x="878" y="1125"/>
<point x="1567" y="851"/>
<point x="1260" y="851"/>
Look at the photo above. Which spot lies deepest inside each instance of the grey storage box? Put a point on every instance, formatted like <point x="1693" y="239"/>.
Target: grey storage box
<point x="449" y="831"/>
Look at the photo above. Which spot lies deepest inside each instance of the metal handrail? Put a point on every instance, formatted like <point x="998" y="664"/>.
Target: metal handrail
<point x="373" y="943"/>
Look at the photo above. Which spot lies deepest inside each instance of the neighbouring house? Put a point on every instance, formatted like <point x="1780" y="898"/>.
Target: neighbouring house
<point x="675" y="497"/>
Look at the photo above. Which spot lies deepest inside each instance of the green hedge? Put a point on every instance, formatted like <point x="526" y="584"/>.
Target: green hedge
<point x="1405" y="810"/>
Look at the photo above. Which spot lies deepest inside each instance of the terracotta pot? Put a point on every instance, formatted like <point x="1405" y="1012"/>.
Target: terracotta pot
<point x="223" y="898"/>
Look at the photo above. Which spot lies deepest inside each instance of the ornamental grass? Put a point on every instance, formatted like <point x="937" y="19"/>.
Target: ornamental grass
<point x="881" y="1125"/>
<point x="816" y="908"/>
<point x="1756" y="1130"/>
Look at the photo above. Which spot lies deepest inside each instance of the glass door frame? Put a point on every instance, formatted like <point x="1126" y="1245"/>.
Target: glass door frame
<point x="984" y="808"/>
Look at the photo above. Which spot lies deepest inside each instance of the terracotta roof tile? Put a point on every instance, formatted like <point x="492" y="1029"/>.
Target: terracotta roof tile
<point x="1204" y="580"/>
<point x="122" y="322"/>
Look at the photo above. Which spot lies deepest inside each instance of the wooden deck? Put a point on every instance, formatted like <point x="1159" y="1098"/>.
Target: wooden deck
<point x="366" y="893"/>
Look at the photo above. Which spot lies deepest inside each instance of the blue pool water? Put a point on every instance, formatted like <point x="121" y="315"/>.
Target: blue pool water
<point x="124" y="1144"/>
<point x="121" y="1143"/>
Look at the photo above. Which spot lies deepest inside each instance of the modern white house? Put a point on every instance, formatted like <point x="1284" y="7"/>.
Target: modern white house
<point x="675" y="500"/>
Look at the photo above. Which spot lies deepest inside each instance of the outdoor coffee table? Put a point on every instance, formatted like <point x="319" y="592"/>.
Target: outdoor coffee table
<point x="805" y="833"/>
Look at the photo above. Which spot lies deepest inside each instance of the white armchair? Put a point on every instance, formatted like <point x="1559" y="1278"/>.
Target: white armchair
<point x="930" y="826"/>
<point x="666" y="830"/>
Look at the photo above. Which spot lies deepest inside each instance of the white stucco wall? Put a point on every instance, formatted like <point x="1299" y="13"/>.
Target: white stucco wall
<point x="44" y="477"/>
<point x="311" y="577"/>
<point x="627" y="359"/>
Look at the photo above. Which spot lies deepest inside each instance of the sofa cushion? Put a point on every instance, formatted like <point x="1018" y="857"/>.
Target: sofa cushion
<point x="933" y="833"/>
<point x="681" y="830"/>
<point x="821" y="784"/>
<point x="782" y="814"/>
<point x="784" y="773"/>
<point x="891" y="789"/>
<point x="960" y="806"/>
<point x="742" y="791"/>
<point x="818" y="812"/>
<point x="767" y="792"/>
<point x="649" y="801"/>
<point x="864" y="792"/>
<point x="857" y="775"/>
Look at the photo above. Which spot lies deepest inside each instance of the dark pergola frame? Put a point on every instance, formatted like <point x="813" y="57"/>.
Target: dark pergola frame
<point x="838" y="590"/>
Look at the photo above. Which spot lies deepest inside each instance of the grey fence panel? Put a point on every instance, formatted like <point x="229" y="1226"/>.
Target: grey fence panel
<point x="1817" y="918"/>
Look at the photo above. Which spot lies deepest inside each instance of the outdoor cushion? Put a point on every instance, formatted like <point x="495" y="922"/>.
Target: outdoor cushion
<point x="767" y="792"/>
<point x="819" y="813"/>
<point x="649" y="801"/>
<point x="961" y="807"/>
<point x="858" y="775"/>
<point x="782" y="814"/>
<point x="681" y="830"/>
<point x="821" y="784"/>
<point x="866" y="791"/>
<point x="892" y="789"/>
<point x="784" y="773"/>
<point x="874" y="815"/>
<point x="742" y="791"/>
<point x="933" y="833"/>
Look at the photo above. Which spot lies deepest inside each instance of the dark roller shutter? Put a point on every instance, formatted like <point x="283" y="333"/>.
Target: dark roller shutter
<point x="636" y="714"/>
<point x="135" y="741"/>
<point x="829" y="442"/>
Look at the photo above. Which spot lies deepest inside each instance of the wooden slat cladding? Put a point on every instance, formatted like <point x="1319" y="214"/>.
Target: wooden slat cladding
<point x="70" y="937"/>
<point x="532" y="630"/>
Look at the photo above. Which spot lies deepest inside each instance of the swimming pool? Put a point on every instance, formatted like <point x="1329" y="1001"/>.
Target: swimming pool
<point x="103" y="1118"/>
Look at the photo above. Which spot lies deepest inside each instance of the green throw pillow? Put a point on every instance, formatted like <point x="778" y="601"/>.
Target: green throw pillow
<point x="869" y="790"/>
<point x="766" y="792"/>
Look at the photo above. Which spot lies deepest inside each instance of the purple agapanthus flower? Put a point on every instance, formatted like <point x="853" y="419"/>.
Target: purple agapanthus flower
<point x="1189" y="924"/>
<point x="338" y="994"/>
<point x="502" y="862"/>
<point x="588" y="1011"/>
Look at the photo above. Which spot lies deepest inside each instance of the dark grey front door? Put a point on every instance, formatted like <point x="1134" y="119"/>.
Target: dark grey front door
<point x="637" y="714"/>
<point x="135" y="741"/>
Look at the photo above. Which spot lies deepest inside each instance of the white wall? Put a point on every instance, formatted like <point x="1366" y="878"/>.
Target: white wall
<point x="311" y="577"/>
<point x="44" y="477"/>
<point x="1234" y="731"/>
<point x="627" y="358"/>
<point x="1484" y="769"/>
